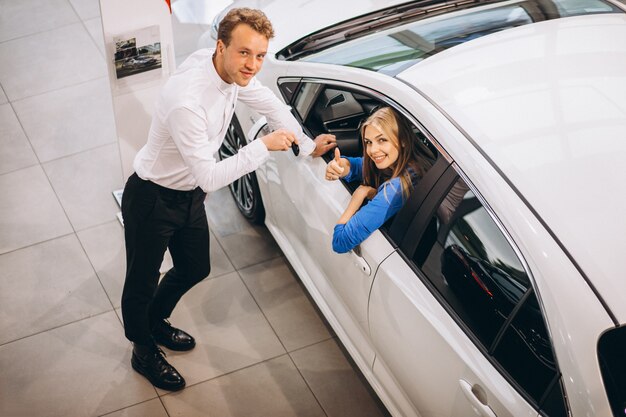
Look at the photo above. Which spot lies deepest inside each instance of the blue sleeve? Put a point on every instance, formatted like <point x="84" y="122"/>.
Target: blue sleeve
<point x="356" y="169"/>
<point x="369" y="218"/>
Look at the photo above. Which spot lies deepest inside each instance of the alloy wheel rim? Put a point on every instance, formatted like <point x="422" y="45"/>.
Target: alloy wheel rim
<point x="242" y="187"/>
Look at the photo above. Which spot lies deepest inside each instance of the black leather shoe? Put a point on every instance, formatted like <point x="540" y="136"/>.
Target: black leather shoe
<point x="171" y="337"/>
<point x="149" y="361"/>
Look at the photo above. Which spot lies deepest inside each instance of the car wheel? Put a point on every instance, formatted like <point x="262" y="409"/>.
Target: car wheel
<point x="245" y="190"/>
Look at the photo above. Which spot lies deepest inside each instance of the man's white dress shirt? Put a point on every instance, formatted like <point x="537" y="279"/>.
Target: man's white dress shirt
<point x="189" y="123"/>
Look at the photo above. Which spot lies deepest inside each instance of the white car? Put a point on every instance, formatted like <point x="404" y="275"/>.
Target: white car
<point x="497" y="290"/>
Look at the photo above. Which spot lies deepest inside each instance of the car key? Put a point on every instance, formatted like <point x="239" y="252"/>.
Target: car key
<point x="295" y="148"/>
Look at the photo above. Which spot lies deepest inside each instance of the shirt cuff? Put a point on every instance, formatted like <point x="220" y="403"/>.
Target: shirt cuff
<point x="258" y="151"/>
<point x="306" y="145"/>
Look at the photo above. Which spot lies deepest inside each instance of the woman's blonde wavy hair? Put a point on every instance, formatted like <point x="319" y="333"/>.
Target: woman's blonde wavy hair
<point x="395" y="128"/>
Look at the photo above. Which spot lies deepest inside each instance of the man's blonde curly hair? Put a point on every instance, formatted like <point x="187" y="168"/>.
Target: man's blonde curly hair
<point x="254" y="18"/>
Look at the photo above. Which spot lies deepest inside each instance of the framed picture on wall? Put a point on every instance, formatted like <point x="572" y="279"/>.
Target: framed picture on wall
<point x="137" y="56"/>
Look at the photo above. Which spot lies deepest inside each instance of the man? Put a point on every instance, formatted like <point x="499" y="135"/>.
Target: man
<point x="162" y="204"/>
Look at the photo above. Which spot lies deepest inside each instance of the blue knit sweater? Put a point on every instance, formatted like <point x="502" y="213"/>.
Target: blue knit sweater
<point x="387" y="202"/>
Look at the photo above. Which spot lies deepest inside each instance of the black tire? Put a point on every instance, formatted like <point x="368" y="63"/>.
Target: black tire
<point x="245" y="190"/>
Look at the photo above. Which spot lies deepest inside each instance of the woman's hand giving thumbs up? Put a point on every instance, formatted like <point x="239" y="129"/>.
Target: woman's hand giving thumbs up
<point x="337" y="168"/>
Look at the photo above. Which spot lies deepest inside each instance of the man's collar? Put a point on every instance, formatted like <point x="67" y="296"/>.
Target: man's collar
<point x="222" y="85"/>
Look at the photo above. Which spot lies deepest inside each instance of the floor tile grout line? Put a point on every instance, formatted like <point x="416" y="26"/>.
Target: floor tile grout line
<point x="89" y="33"/>
<point x="113" y="142"/>
<point x="41" y="31"/>
<point x="163" y="404"/>
<point x="261" y="310"/>
<point x="37" y="243"/>
<point x="57" y="327"/>
<point x="307" y="385"/>
<point x="56" y="159"/>
<point x="53" y="90"/>
<point x="227" y="373"/>
<point x="95" y="271"/>
<point x="124" y="408"/>
<point x="259" y="263"/>
<point x="282" y="344"/>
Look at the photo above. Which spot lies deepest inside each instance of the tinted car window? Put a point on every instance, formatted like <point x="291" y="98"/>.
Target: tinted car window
<point x="525" y="352"/>
<point x="392" y="50"/>
<point x="471" y="263"/>
<point x="466" y="257"/>
<point x="612" y="360"/>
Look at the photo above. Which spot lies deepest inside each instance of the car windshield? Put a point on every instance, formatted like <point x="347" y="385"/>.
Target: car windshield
<point x="393" y="49"/>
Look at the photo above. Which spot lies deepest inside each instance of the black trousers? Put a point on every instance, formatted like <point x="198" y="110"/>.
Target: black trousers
<point x="157" y="218"/>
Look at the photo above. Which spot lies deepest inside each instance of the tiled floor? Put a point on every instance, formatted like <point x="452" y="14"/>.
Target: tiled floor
<point x="263" y="349"/>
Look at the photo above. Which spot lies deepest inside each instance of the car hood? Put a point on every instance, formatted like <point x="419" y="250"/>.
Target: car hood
<point x="293" y="20"/>
<point x="546" y="103"/>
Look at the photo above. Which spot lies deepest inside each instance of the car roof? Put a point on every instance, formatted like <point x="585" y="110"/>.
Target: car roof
<point x="291" y="18"/>
<point x="546" y="104"/>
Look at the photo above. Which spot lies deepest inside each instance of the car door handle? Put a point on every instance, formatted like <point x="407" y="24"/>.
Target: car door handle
<point x="477" y="397"/>
<point x="360" y="262"/>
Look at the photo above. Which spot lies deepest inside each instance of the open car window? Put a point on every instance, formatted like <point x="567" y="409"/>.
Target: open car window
<point x="340" y="110"/>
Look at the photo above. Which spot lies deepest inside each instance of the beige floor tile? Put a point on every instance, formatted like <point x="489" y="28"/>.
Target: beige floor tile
<point x="82" y="369"/>
<point x="3" y="97"/>
<point x="230" y="330"/>
<point x="25" y="17"/>
<point x="250" y="246"/>
<point x="29" y="210"/>
<point x="224" y="217"/>
<point x="48" y="61"/>
<point x="273" y="388"/>
<point x="284" y="303"/>
<point x="152" y="408"/>
<point x="94" y="27"/>
<point x="84" y="183"/>
<point x="45" y="286"/>
<point x="86" y="113"/>
<point x="336" y="385"/>
<point x="104" y="245"/>
<point x="15" y="150"/>
<point x="86" y="9"/>
<point x="220" y="264"/>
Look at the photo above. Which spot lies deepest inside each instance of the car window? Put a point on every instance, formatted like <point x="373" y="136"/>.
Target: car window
<point x="470" y="263"/>
<point x="336" y="109"/>
<point x="392" y="50"/>
<point x="613" y="367"/>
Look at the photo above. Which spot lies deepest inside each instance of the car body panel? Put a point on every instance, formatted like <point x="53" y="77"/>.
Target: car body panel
<point x="427" y="352"/>
<point x="570" y="126"/>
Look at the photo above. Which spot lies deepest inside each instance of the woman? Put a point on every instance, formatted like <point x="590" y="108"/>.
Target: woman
<point x="389" y="169"/>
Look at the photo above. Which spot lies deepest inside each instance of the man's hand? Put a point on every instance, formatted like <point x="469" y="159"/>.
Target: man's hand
<point x="337" y="168"/>
<point x="279" y="140"/>
<point x="323" y="144"/>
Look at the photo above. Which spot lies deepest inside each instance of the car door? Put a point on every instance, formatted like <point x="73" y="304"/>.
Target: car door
<point x="306" y="208"/>
<point x="454" y="317"/>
